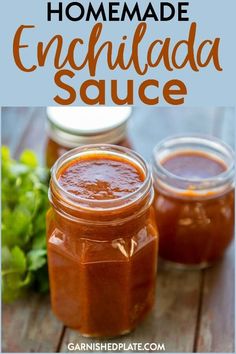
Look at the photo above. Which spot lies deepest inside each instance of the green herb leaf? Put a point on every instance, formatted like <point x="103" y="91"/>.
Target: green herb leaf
<point x="36" y="259"/>
<point x="24" y="207"/>
<point x="29" y="158"/>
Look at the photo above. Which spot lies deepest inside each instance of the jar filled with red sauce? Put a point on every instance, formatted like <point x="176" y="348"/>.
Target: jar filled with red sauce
<point x="194" y="199"/>
<point x="70" y="127"/>
<point x="102" y="240"/>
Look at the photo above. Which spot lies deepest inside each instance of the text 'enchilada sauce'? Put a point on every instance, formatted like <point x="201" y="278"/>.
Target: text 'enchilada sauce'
<point x="102" y="261"/>
<point x="194" y="228"/>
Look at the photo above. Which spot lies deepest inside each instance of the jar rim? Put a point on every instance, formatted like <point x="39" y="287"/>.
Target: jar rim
<point x="203" y="140"/>
<point x="108" y="204"/>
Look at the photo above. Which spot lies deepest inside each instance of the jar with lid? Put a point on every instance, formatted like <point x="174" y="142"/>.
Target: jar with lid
<point x="70" y="127"/>
<point x="194" y="199"/>
<point x="101" y="240"/>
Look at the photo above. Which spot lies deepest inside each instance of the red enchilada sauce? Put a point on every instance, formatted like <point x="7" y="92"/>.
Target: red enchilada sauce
<point x="195" y="221"/>
<point x="102" y="240"/>
<point x="54" y="150"/>
<point x="101" y="177"/>
<point x="70" y="127"/>
<point x="193" y="164"/>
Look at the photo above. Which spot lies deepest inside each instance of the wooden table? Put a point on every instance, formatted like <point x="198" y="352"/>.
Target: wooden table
<point x="194" y="310"/>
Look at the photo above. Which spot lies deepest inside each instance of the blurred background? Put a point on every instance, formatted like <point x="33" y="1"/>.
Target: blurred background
<point x="24" y="127"/>
<point x="194" y="310"/>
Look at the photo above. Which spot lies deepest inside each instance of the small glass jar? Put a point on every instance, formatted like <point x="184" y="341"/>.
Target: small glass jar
<point x="195" y="216"/>
<point x="70" y="127"/>
<point x="102" y="254"/>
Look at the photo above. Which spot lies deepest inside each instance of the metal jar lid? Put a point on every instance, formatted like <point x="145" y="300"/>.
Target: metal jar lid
<point x="73" y="126"/>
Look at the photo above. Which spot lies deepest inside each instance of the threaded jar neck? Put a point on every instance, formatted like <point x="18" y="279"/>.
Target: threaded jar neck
<point x="100" y="210"/>
<point x="210" y="146"/>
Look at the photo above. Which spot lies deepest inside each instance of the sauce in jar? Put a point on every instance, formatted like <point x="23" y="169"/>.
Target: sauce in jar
<point x="194" y="200"/>
<point x="70" y="127"/>
<point x="101" y="177"/>
<point x="102" y="240"/>
<point x="192" y="164"/>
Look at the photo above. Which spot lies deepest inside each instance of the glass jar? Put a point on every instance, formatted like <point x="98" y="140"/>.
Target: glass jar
<point x="70" y="127"/>
<point x="194" y="213"/>
<point x="102" y="254"/>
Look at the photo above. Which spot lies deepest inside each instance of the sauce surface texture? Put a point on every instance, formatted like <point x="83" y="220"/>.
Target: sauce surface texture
<point x="101" y="177"/>
<point x="192" y="164"/>
<point x="102" y="261"/>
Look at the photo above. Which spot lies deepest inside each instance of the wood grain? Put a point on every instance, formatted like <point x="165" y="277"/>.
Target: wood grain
<point x="173" y="320"/>
<point x="29" y="326"/>
<point x="194" y="311"/>
<point x="217" y="321"/>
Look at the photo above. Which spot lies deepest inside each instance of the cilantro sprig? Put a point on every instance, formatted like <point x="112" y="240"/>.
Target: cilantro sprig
<point x="24" y="206"/>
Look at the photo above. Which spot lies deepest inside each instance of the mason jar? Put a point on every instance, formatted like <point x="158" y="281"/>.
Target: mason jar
<point x="102" y="240"/>
<point x="70" y="127"/>
<point x="194" y="199"/>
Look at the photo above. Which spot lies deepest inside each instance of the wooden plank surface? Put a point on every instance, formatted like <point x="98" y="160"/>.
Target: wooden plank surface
<point x="194" y="311"/>
<point x="28" y="324"/>
<point x="173" y="320"/>
<point x="217" y="320"/>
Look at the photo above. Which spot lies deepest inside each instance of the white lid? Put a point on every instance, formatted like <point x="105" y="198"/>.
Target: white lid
<point x="87" y="120"/>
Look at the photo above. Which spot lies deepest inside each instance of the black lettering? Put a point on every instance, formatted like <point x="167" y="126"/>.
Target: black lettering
<point x="163" y="15"/>
<point x="182" y="11"/>
<point x="92" y="12"/>
<point x="113" y="11"/>
<point x="127" y="13"/>
<point x="150" y="13"/>
<point x="78" y="17"/>
<point x="50" y="11"/>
